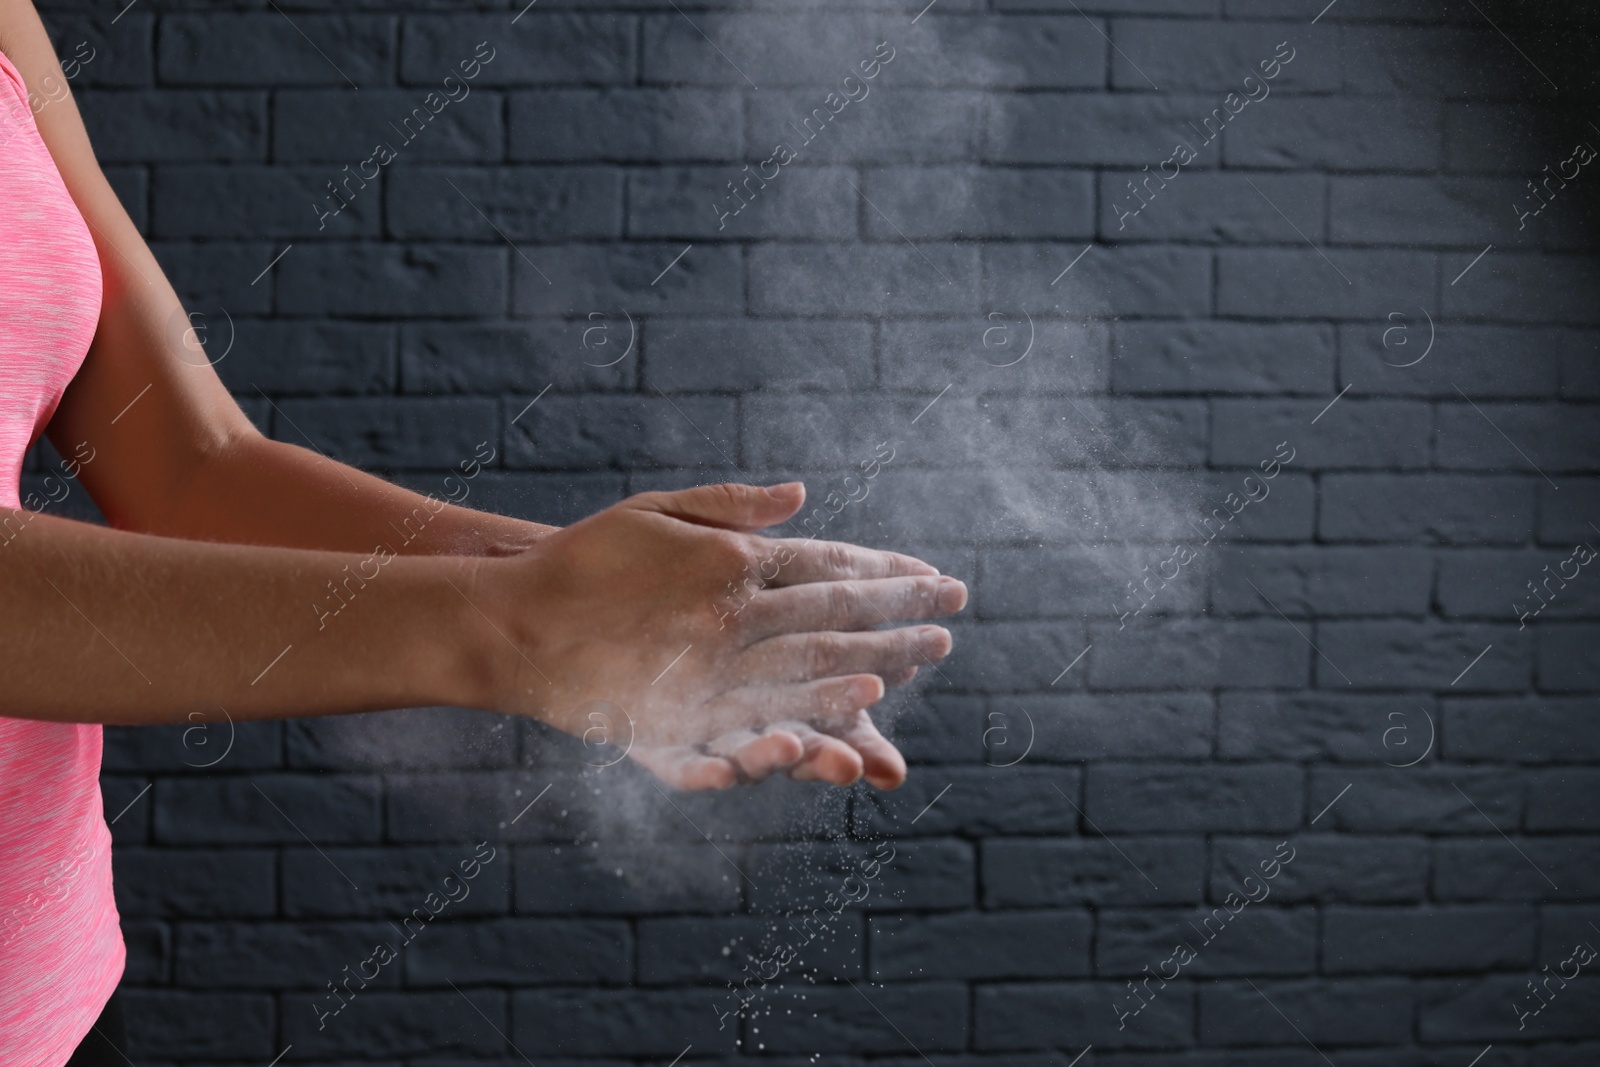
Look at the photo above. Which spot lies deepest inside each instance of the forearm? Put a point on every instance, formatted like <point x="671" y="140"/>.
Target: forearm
<point x="267" y="492"/>
<point x="108" y="626"/>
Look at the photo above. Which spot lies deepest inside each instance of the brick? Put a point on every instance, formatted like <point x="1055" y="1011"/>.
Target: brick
<point x="1516" y="437"/>
<point x="1359" y="434"/>
<point x="1014" y="657"/>
<point x="1490" y="138"/>
<point x="842" y="432"/>
<point x="1426" y="940"/>
<point x="579" y="279"/>
<point x="1559" y="800"/>
<point x="835" y="1018"/>
<point x="729" y="354"/>
<point x="656" y="880"/>
<point x="1432" y="799"/>
<point x="677" y="951"/>
<point x="221" y="1026"/>
<point x="728" y="202"/>
<point x="498" y="952"/>
<point x="392" y="880"/>
<point x="267" y="808"/>
<point x="195" y="884"/>
<point x="206" y="200"/>
<point x="215" y="275"/>
<point x="539" y="49"/>
<point x="149" y="952"/>
<point x="520" y="203"/>
<point x="1485" y="1008"/>
<point x="202" y="740"/>
<point x="1064" y="357"/>
<point x="1041" y="944"/>
<point x="974" y="801"/>
<point x="862" y="279"/>
<point x="1222" y="357"/>
<point x="319" y="126"/>
<point x="929" y="874"/>
<point x="1333" y="1012"/>
<point x="1066" y="1014"/>
<point x="1373" y="358"/>
<point x="1520" y="286"/>
<point x="1155" y="205"/>
<point x="922" y="126"/>
<point x="1303" y="284"/>
<point x="1158" y="654"/>
<point x="1323" y="582"/>
<point x="1135" y="797"/>
<point x="476" y="806"/>
<point x="1488" y="868"/>
<point x="1495" y="583"/>
<point x="400" y="1024"/>
<point x="1069" y="581"/>
<point x="638" y="1022"/>
<point x="172" y="125"/>
<point x="1231" y="938"/>
<point x="791" y="50"/>
<point x="224" y="48"/>
<point x="114" y="51"/>
<point x="1324" y="727"/>
<point x="274" y="956"/>
<point x="1338" y="134"/>
<point x="402" y="282"/>
<point x="390" y="433"/>
<point x="1423" y="655"/>
<point x="1566" y="658"/>
<point x="974" y="202"/>
<point x="1565" y="518"/>
<point x="1522" y="730"/>
<point x="624" y="125"/>
<point x="1100" y="129"/>
<point x="1135" y="282"/>
<point x="1433" y="508"/>
<point x="299" y="357"/>
<point x="1024" y="874"/>
<point x="1325" y="867"/>
<point x="520" y="358"/>
<point x="1426" y="211"/>
<point x="944" y="727"/>
<point x="1078" y="726"/>
<point x="622" y="431"/>
<point x="1219" y="57"/>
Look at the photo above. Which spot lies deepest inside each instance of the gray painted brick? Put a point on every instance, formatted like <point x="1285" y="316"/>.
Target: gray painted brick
<point x="246" y="48"/>
<point x="623" y="125"/>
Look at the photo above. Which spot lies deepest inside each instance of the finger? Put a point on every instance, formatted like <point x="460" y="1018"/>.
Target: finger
<point x="826" y="759"/>
<point x="827" y="654"/>
<point x="758" y="755"/>
<point x="729" y="505"/>
<point x="851" y="605"/>
<point x="681" y="767"/>
<point x="897" y="678"/>
<point x="797" y="560"/>
<point x="884" y="766"/>
<point x="823" y="701"/>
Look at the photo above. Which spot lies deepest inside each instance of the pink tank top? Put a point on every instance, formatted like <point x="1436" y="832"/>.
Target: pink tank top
<point x="61" y="952"/>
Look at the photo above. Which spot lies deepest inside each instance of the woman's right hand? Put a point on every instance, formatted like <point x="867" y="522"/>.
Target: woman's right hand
<point x="631" y="610"/>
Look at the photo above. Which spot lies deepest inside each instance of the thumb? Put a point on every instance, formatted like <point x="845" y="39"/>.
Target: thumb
<point x="729" y="505"/>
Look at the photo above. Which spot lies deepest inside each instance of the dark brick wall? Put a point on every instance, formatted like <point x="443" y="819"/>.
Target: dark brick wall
<point x="1356" y="617"/>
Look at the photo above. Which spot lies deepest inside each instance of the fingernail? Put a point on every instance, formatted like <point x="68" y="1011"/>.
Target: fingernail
<point x="785" y="490"/>
<point x="952" y="594"/>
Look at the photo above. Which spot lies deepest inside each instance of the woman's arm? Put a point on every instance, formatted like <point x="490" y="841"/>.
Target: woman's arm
<point x="183" y="460"/>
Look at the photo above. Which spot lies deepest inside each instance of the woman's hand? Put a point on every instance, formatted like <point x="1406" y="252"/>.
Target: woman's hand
<point x="666" y="607"/>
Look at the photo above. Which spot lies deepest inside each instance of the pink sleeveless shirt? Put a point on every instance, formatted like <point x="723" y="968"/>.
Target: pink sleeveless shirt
<point x="61" y="951"/>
